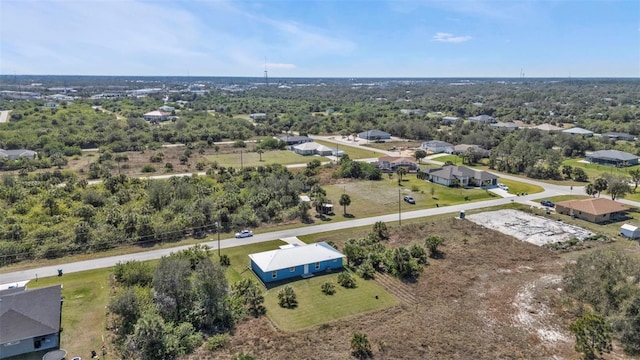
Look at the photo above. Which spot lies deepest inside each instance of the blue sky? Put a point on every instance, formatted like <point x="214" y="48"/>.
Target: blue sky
<point x="303" y="38"/>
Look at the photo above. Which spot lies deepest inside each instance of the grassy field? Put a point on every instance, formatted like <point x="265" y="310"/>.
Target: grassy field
<point x="516" y="187"/>
<point x="371" y="198"/>
<point x="284" y="157"/>
<point x="315" y="308"/>
<point x="86" y="295"/>
<point x="595" y="170"/>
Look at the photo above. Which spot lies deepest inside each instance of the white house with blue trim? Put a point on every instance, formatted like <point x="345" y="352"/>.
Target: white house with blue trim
<point x="295" y="260"/>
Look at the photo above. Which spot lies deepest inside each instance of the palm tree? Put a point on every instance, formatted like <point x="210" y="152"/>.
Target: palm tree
<point x="260" y="152"/>
<point x="432" y="243"/>
<point x="345" y="200"/>
<point x="401" y="172"/>
<point x="600" y="185"/>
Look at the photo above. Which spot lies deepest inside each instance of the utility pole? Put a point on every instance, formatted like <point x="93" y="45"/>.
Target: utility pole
<point x="218" y="231"/>
<point x="399" y="208"/>
<point x="240" y="159"/>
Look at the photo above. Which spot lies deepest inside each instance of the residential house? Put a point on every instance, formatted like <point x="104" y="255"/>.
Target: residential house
<point x="374" y="135"/>
<point x="156" y="115"/>
<point x="612" y="157"/>
<point x="392" y="163"/>
<point x="595" y="210"/>
<point x="258" y="116"/>
<point x="459" y="149"/>
<point x="548" y="127"/>
<point x="312" y="148"/>
<point x="436" y="146"/>
<point x="17" y="153"/>
<point x="449" y="120"/>
<point x="295" y="140"/>
<point x="483" y="119"/>
<point x="413" y="111"/>
<point x="463" y="176"/>
<point x="51" y="104"/>
<point x="619" y="136"/>
<point x="292" y="261"/>
<point x="505" y="125"/>
<point x="29" y="320"/>
<point x="167" y="109"/>
<point x="578" y="131"/>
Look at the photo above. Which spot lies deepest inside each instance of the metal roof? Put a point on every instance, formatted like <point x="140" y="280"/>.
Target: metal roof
<point x="295" y="256"/>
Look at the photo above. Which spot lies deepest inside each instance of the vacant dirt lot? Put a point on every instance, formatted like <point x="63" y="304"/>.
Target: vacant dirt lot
<point x="490" y="297"/>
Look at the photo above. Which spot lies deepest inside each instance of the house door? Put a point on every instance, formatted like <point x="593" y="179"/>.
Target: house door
<point x="306" y="268"/>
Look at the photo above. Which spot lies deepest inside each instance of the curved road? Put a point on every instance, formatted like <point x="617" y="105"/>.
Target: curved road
<point x="549" y="191"/>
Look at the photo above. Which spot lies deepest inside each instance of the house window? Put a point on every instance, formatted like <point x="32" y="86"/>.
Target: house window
<point x="317" y="265"/>
<point x="274" y="274"/>
<point x="292" y="269"/>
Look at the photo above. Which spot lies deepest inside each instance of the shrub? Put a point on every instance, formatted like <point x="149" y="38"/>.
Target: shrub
<point x="287" y="297"/>
<point x="366" y="270"/>
<point x="346" y="280"/>
<point x="148" y="168"/>
<point x="133" y="273"/>
<point x="168" y="166"/>
<point x="217" y="341"/>
<point x="328" y="288"/>
<point x="225" y="260"/>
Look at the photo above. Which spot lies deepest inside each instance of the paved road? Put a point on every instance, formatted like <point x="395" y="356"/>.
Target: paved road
<point x="550" y="190"/>
<point x="227" y="243"/>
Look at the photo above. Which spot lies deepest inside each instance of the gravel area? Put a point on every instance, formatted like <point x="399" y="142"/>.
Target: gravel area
<point x="530" y="228"/>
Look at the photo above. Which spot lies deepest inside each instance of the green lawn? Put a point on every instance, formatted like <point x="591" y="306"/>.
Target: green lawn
<point x="595" y="170"/>
<point x="455" y="159"/>
<point x="284" y="157"/>
<point x="371" y="198"/>
<point x="315" y="308"/>
<point x="516" y="187"/>
<point x="86" y="295"/>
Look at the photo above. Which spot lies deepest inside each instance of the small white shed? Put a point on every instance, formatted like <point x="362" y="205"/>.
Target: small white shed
<point x="630" y="231"/>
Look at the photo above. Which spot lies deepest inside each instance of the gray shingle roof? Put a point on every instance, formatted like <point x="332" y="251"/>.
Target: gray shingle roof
<point x="612" y="154"/>
<point x="30" y="313"/>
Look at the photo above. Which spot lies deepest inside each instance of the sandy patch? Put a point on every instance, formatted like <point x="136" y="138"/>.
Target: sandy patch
<point x="530" y="228"/>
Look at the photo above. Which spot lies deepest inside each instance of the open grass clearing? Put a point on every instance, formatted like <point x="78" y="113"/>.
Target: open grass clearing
<point x="86" y="296"/>
<point x="315" y="308"/>
<point x="372" y="198"/>
<point x="252" y="158"/>
<point x="596" y="170"/>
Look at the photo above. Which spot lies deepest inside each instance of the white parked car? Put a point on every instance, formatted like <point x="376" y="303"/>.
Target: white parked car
<point x="503" y="187"/>
<point x="244" y="234"/>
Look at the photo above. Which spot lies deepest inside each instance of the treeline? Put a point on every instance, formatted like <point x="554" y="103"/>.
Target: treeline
<point x="47" y="215"/>
<point x="170" y="310"/>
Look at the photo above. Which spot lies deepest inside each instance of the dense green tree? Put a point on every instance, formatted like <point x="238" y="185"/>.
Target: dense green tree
<point x="172" y="288"/>
<point x="618" y="187"/>
<point x="380" y="230"/>
<point x="635" y="177"/>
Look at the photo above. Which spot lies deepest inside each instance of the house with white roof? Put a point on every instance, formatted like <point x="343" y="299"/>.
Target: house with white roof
<point x="17" y="153"/>
<point x="578" y="131"/>
<point x="312" y="148"/>
<point x="436" y="146"/>
<point x="156" y="116"/>
<point x="292" y="261"/>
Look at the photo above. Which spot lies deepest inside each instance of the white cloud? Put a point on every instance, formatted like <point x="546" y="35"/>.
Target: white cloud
<point x="449" y="38"/>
